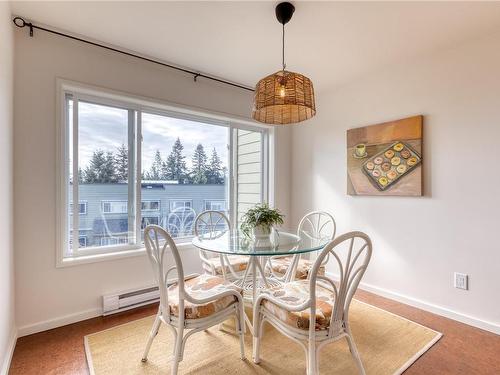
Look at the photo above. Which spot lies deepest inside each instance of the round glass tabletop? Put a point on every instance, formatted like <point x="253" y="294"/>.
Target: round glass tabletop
<point x="279" y="243"/>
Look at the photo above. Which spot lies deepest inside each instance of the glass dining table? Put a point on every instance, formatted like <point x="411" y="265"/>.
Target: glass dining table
<point x="258" y="273"/>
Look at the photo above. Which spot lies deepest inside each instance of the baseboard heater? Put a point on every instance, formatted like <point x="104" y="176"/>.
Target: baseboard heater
<point x="115" y="303"/>
<point x="130" y="299"/>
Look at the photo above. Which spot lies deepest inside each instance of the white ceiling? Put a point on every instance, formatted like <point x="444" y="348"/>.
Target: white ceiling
<point x="330" y="42"/>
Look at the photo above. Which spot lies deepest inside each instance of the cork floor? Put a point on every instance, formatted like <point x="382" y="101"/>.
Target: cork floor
<point x="462" y="350"/>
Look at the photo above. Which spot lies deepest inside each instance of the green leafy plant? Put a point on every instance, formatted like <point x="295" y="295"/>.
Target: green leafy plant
<point x="260" y="216"/>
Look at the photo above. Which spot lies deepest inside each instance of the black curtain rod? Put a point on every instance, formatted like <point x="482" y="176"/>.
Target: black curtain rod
<point x="20" y="22"/>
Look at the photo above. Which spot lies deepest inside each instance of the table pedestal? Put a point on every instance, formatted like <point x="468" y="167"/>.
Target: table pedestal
<point x="255" y="279"/>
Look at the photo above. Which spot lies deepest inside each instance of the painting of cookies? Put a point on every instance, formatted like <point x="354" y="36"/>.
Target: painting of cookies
<point x="392" y="161"/>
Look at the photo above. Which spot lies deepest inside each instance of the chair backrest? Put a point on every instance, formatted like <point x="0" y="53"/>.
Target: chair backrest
<point x="318" y="225"/>
<point x="352" y="252"/>
<point x="211" y="224"/>
<point x="157" y="241"/>
<point x="179" y="221"/>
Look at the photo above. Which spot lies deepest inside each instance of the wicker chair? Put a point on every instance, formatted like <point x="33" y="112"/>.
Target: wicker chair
<point x="190" y="305"/>
<point x="315" y="312"/>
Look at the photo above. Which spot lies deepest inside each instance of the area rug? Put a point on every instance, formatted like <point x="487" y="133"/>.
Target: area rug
<point x="388" y="344"/>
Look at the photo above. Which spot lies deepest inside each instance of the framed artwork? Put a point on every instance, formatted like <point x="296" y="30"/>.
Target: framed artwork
<point x="385" y="159"/>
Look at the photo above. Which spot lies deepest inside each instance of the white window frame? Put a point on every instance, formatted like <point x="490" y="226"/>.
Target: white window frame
<point x="104" y="201"/>
<point x="151" y="209"/>
<point x="139" y="104"/>
<point x="172" y="201"/>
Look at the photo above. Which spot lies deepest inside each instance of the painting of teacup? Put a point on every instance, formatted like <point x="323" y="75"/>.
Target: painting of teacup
<point x="360" y="150"/>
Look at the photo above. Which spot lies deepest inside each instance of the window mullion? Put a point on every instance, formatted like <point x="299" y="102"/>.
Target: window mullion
<point x="262" y="170"/>
<point x="76" y="179"/>
<point x="230" y="188"/>
<point x="138" y="175"/>
<point x="131" y="206"/>
<point x="234" y="180"/>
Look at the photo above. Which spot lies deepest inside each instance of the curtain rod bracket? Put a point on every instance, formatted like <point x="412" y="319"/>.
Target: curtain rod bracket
<point x="196" y="77"/>
<point x="20" y="22"/>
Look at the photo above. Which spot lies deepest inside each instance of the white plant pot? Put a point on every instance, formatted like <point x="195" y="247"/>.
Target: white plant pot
<point x="262" y="236"/>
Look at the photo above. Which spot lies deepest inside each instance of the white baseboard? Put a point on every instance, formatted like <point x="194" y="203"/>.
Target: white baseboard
<point x="4" y="369"/>
<point x="430" y="307"/>
<point x="58" y="322"/>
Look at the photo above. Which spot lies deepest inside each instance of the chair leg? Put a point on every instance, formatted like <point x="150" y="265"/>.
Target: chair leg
<point x="317" y="360"/>
<point x="311" y="356"/>
<point x="178" y="350"/>
<point x="355" y="353"/>
<point x="152" y="335"/>
<point x="258" y="325"/>
<point x="240" y="321"/>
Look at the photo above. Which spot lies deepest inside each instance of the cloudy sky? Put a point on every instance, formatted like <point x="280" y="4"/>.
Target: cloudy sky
<point x="105" y="128"/>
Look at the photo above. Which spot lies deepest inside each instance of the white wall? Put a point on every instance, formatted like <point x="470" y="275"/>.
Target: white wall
<point x="47" y="296"/>
<point x="7" y="325"/>
<point x="419" y="242"/>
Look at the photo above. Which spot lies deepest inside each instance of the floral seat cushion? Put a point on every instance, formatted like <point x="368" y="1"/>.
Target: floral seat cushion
<point x="202" y="286"/>
<point x="281" y="264"/>
<point x="296" y="293"/>
<point x="238" y="263"/>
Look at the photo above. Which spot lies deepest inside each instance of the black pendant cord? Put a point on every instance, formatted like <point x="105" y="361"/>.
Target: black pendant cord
<point x="283" y="49"/>
<point x="20" y="22"/>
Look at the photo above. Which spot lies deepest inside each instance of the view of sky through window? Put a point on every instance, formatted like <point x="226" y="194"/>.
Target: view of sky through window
<point x="159" y="133"/>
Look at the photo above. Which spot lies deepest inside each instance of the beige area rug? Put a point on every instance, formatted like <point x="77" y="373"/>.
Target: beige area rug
<point x="388" y="345"/>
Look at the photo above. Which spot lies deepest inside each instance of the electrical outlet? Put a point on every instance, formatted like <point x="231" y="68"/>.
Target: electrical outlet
<point x="461" y="281"/>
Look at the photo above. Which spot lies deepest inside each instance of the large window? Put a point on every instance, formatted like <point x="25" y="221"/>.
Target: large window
<point x="131" y="164"/>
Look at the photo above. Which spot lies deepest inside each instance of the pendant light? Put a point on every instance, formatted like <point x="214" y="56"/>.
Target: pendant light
<point x="284" y="97"/>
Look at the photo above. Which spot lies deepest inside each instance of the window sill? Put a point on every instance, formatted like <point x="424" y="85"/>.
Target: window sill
<point x="96" y="258"/>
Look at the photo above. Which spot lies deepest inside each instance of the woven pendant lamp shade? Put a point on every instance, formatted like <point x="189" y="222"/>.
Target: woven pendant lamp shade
<point x="284" y="98"/>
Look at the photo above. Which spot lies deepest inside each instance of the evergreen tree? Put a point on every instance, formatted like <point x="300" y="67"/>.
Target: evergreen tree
<point x="155" y="171"/>
<point x="109" y="173"/>
<point x="215" y="170"/>
<point x="100" y="169"/>
<point x="81" y="178"/>
<point x="121" y="163"/>
<point x="199" y="169"/>
<point x="175" y="166"/>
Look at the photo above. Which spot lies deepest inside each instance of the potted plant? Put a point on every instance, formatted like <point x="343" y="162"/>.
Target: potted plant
<point x="259" y="222"/>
